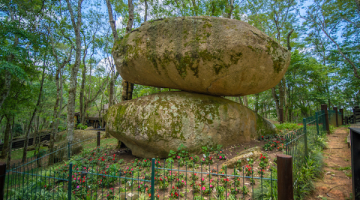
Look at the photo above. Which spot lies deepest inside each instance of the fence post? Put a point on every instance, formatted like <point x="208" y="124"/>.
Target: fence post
<point x="305" y="138"/>
<point x="69" y="181"/>
<point x="153" y="179"/>
<point x="281" y="117"/>
<point x="336" y="116"/>
<point x="342" y="116"/>
<point x="317" y="122"/>
<point x="98" y="139"/>
<point x="324" y="108"/>
<point x="355" y="161"/>
<point x="2" y="179"/>
<point x="69" y="149"/>
<point x="285" y="177"/>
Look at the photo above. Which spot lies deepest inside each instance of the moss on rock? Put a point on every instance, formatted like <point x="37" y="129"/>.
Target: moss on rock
<point x="155" y="124"/>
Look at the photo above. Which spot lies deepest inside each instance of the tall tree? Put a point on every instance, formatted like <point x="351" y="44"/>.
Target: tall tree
<point x="76" y="23"/>
<point x="34" y="113"/>
<point x="127" y="86"/>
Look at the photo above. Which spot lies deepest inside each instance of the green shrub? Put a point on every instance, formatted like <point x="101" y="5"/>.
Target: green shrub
<point x="288" y="126"/>
<point x="81" y="126"/>
<point x="332" y="129"/>
<point x="61" y="128"/>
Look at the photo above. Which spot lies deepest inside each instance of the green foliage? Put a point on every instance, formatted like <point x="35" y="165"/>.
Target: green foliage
<point x="81" y="126"/>
<point x="288" y="126"/>
<point x="332" y="129"/>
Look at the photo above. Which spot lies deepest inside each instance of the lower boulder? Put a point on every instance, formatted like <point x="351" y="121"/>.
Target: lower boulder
<point x="153" y="125"/>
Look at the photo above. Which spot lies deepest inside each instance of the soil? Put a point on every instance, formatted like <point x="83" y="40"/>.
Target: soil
<point x="336" y="183"/>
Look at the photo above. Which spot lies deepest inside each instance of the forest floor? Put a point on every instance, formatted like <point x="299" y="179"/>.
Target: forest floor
<point x="336" y="183"/>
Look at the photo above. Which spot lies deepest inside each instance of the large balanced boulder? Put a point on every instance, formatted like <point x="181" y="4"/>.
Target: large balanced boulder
<point x="216" y="56"/>
<point x="153" y="125"/>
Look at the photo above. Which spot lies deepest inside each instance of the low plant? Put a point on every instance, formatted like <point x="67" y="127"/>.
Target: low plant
<point x="81" y="126"/>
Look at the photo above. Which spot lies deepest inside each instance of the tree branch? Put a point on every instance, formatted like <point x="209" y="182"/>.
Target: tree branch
<point x="288" y="39"/>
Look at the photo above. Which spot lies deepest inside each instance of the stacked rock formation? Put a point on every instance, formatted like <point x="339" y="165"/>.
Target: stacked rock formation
<point x="207" y="57"/>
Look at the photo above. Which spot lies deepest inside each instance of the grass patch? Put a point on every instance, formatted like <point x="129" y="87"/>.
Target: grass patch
<point x="342" y="168"/>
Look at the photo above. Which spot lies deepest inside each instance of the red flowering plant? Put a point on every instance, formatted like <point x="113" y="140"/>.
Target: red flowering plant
<point x="174" y="193"/>
<point x="163" y="184"/>
<point x="146" y="163"/>
<point x="157" y="196"/>
<point x="207" y="158"/>
<point x="142" y="187"/>
<point x="280" y="147"/>
<point x="236" y="182"/>
<point x="235" y="190"/>
<point x="274" y="144"/>
<point x="111" y="194"/>
<point x="196" y="187"/>
<point x="206" y="190"/>
<point x="180" y="183"/>
<point x="194" y="177"/>
<point x="202" y="181"/>
<point x="248" y="170"/>
<point x="225" y="181"/>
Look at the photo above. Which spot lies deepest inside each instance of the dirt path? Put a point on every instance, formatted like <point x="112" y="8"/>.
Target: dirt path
<point x="336" y="183"/>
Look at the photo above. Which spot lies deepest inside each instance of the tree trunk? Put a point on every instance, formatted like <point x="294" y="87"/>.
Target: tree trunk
<point x="276" y="99"/>
<point x="266" y="116"/>
<point x="257" y="102"/>
<point x="195" y="7"/>
<point x="240" y="100"/>
<point x="245" y="101"/>
<point x="54" y="124"/>
<point x="10" y="142"/>
<point x="74" y="70"/>
<point x="127" y="86"/>
<point x="6" y="138"/>
<point x="82" y="88"/>
<point x="37" y="143"/>
<point x="6" y="87"/>
<point x="231" y="9"/>
<point x="146" y="11"/>
<point x="112" y="21"/>
<point x="282" y="90"/>
<point x="33" y="115"/>
<point x="59" y="86"/>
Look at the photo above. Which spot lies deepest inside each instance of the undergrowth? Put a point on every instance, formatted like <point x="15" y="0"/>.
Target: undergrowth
<point x="305" y="170"/>
<point x="288" y="126"/>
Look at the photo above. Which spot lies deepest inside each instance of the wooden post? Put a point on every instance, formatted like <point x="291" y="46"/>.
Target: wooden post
<point x="336" y="116"/>
<point x="355" y="161"/>
<point x="98" y="139"/>
<point x="324" y="108"/>
<point x="342" y="116"/>
<point x="285" y="177"/>
<point x="305" y="139"/>
<point x="2" y="179"/>
<point x="356" y="116"/>
<point x="281" y="117"/>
